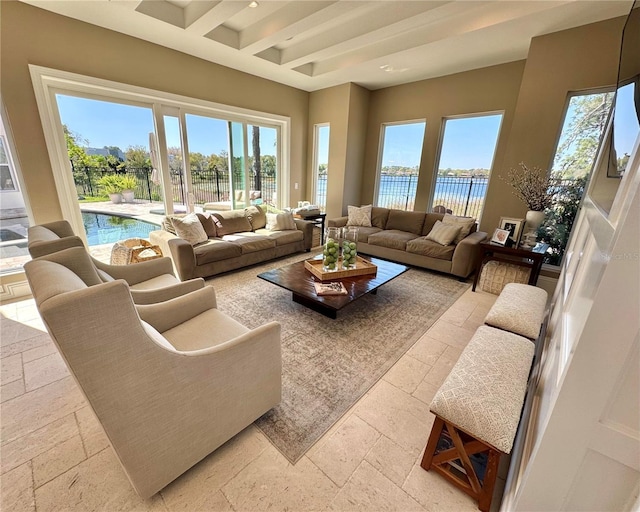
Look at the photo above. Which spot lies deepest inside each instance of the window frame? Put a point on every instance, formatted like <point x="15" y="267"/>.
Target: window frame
<point x="48" y="81"/>
<point x="383" y="128"/>
<point x="314" y="169"/>
<point x="436" y="163"/>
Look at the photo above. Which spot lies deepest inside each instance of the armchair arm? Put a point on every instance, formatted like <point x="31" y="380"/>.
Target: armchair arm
<point x="340" y="222"/>
<point x="45" y="247"/>
<point x="134" y="274"/>
<point x="307" y="229"/>
<point x="143" y="297"/>
<point x="166" y="315"/>
<point x="464" y="257"/>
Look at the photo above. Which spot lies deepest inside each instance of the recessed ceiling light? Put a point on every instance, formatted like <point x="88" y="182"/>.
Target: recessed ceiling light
<point x="254" y="4"/>
<point x="391" y="69"/>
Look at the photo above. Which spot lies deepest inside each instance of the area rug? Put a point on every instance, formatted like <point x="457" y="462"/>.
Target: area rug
<point x="327" y="365"/>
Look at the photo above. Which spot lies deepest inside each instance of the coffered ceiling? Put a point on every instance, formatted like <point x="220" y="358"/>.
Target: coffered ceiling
<point x="313" y="44"/>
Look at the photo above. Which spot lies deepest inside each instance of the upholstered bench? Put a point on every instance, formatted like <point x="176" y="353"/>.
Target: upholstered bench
<point x="477" y="411"/>
<point x="520" y="309"/>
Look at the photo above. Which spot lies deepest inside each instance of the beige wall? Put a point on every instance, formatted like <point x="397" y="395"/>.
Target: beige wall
<point x="484" y="90"/>
<point x="345" y="108"/>
<point x="35" y="36"/>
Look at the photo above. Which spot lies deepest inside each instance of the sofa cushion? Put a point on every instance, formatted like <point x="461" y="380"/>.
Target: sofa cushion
<point x="364" y="233"/>
<point x="215" y="250"/>
<point x="282" y="237"/>
<point x="250" y="242"/>
<point x="391" y="238"/>
<point x="190" y="228"/>
<point x="359" y="216"/>
<point x="233" y="221"/>
<point x="444" y="234"/>
<point x="208" y="224"/>
<point x="379" y="217"/>
<point x="466" y="224"/>
<point x="401" y="220"/>
<point x="426" y="247"/>
<point x="257" y="216"/>
<point x="429" y="220"/>
<point x="280" y="221"/>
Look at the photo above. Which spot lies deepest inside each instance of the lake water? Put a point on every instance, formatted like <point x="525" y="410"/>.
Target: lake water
<point x="398" y="188"/>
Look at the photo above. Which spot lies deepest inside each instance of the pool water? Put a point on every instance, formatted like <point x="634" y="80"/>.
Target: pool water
<point x="103" y="228"/>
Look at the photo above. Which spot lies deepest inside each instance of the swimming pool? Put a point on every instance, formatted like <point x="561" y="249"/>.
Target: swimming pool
<point x="103" y="228"/>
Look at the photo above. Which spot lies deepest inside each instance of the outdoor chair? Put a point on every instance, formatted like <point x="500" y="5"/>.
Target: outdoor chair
<point x="168" y="382"/>
<point x="150" y="281"/>
<point x="441" y="209"/>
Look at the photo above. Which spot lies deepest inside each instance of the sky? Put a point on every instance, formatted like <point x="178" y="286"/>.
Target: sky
<point x="103" y="123"/>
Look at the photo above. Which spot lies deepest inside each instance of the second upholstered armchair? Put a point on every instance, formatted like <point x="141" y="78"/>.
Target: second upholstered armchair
<point x="150" y="281"/>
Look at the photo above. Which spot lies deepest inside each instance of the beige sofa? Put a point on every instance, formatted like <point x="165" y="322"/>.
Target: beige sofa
<point x="236" y="238"/>
<point x="400" y="236"/>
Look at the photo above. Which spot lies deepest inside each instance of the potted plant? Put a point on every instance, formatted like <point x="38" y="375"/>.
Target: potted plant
<point x="534" y="187"/>
<point x="128" y="184"/>
<point x="111" y="185"/>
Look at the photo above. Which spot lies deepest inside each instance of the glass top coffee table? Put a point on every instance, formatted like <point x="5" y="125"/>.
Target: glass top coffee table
<point x="298" y="280"/>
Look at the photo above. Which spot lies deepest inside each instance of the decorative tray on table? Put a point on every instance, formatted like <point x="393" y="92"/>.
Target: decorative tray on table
<point x="363" y="267"/>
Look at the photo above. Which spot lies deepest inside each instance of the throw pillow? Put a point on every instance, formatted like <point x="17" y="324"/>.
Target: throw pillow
<point x="465" y="223"/>
<point x="256" y="216"/>
<point x="280" y="221"/>
<point x="443" y="234"/>
<point x="359" y="216"/>
<point x="190" y="228"/>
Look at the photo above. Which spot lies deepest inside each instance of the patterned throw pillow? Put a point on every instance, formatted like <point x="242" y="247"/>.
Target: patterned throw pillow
<point x="280" y="221"/>
<point x="190" y="228"/>
<point x="443" y="234"/>
<point x="359" y="216"/>
<point x="465" y="223"/>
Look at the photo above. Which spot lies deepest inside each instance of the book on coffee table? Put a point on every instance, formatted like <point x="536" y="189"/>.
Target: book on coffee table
<point x="334" y="288"/>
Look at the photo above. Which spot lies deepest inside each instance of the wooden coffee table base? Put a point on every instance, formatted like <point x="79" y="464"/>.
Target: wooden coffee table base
<point x="318" y="306"/>
<point x="299" y="281"/>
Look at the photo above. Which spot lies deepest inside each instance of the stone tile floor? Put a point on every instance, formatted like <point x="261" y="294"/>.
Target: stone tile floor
<point x="56" y="457"/>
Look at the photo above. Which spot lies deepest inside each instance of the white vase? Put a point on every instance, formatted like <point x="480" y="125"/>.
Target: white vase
<point x="534" y="221"/>
<point x="128" y="196"/>
<point x="115" y="198"/>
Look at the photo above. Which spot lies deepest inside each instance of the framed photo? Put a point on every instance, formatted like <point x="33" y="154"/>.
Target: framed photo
<point x="514" y="227"/>
<point x="500" y="236"/>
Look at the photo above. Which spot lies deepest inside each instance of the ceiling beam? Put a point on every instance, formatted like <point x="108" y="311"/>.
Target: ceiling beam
<point x="203" y="17"/>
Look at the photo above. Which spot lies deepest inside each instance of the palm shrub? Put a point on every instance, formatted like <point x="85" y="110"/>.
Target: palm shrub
<point x="127" y="182"/>
<point x="111" y="183"/>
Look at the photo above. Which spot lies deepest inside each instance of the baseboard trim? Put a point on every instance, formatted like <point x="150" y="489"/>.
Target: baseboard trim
<point x="15" y="291"/>
<point x="548" y="284"/>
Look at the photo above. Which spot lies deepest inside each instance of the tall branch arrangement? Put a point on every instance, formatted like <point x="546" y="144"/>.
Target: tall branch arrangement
<point x="534" y="186"/>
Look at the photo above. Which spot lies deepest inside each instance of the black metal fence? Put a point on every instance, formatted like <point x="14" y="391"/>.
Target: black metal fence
<point x="210" y="185"/>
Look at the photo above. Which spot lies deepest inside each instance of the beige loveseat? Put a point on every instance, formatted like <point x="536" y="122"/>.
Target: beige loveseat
<point x="401" y="236"/>
<point x="234" y="239"/>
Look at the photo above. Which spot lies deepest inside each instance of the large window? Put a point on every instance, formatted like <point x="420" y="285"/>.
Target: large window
<point x="235" y="156"/>
<point x="321" y="165"/>
<point x="466" y="157"/>
<point x="584" y="122"/>
<point x="399" y="164"/>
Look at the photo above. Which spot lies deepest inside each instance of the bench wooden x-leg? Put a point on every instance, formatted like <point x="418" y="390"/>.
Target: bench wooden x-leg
<point x="464" y="445"/>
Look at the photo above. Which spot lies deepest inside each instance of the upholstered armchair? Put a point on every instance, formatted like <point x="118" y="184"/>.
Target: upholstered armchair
<point x="150" y="281"/>
<point x="168" y="382"/>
